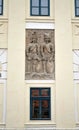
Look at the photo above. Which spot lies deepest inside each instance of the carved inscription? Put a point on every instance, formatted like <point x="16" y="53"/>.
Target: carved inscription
<point x="40" y="55"/>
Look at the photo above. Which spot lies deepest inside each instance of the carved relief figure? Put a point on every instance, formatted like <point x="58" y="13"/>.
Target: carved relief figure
<point x="47" y="52"/>
<point x="40" y="56"/>
<point x="32" y="54"/>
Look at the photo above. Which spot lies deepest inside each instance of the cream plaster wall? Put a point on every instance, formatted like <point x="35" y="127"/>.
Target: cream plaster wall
<point x="76" y="88"/>
<point x="78" y="101"/>
<point x="73" y="9"/>
<point x="18" y="91"/>
<point x="1" y="102"/>
<point x="64" y="71"/>
<point x="16" y="64"/>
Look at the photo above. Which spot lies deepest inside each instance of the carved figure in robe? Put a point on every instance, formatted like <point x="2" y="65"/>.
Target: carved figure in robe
<point x="47" y="53"/>
<point x="32" y="54"/>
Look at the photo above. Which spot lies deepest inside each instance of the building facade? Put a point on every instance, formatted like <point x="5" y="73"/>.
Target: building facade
<point x="39" y="64"/>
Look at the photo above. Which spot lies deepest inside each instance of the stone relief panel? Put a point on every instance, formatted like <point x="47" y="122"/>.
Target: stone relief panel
<point x="40" y="55"/>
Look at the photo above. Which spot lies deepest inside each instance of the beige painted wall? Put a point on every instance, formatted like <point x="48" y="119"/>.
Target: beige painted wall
<point x="73" y="9"/>
<point x="1" y="102"/>
<point x="16" y="64"/>
<point x="18" y="91"/>
<point x="64" y="71"/>
<point x="76" y="88"/>
<point x="78" y="100"/>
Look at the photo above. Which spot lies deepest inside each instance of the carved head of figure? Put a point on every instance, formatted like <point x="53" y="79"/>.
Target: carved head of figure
<point x="34" y="38"/>
<point x="47" y="38"/>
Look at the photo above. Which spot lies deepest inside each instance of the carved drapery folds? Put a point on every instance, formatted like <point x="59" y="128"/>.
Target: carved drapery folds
<point x="40" y="55"/>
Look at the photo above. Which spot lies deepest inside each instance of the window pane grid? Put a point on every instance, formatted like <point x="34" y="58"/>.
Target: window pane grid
<point x="44" y="2"/>
<point x="40" y="112"/>
<point x="1" y="7"/>
<point x="77" y="11"/>
<point x="35" y="2"/>
<point x="77" y="3"/>
<point x="76" y="7"/>
<point x="35" y="11"/>
<point x="44" y="11"/>
<point x="40" y="4"/>
<point x="35" y="6"/>
<point x="1" y="2"/>
<point x="40" y="104"/>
